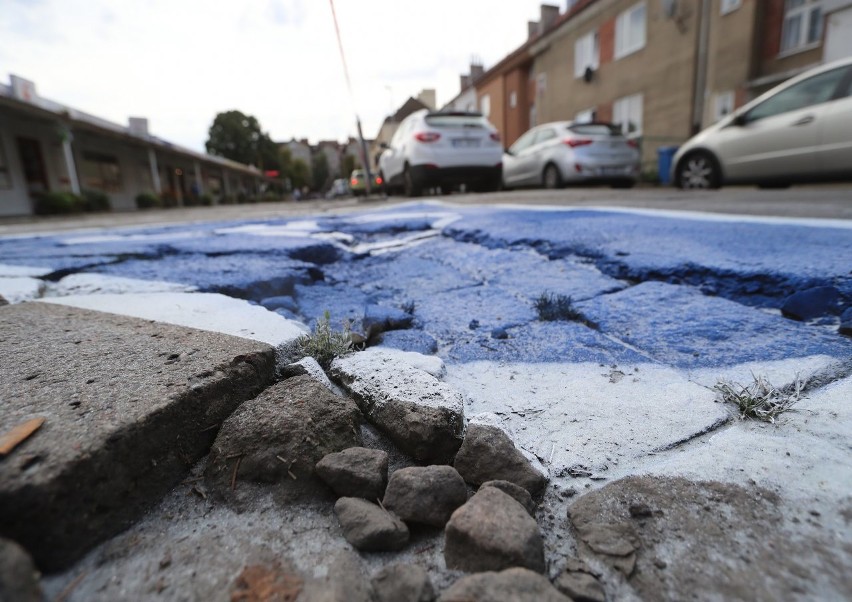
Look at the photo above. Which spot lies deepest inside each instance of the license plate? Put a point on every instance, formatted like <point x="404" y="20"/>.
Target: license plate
<point x="465" y="142"/>
<point x="611" y="171"/>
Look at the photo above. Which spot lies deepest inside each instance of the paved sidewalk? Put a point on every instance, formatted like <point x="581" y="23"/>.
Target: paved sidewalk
<point x="128" y="406"/>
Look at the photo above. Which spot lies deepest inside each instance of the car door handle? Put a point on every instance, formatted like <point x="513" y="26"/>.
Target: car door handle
<point x="804" y="120"/>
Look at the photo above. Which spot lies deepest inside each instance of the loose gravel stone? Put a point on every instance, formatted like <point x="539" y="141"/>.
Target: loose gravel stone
<point x="511" y="585"/>
<point x="492" y="532"/>
<point x="403" y="583"/>
<point x="426" y="495"/>
<point x="355" y="472"/>
<point x="368" y="527"/>
<point x="487" y="453"/>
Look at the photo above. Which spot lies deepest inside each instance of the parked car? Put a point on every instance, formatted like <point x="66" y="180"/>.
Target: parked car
<point x="358" y="182"/>
<point x="443" y="150"/>
<point x="800" y="131"/>
<point x="554" y="154"/>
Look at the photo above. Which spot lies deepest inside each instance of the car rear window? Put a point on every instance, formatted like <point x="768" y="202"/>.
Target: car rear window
<point x="595" y="129"/>
<point x="456" y="121"/>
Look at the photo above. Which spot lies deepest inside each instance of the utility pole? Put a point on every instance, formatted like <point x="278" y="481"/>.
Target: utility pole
<point x="366" y="161"/>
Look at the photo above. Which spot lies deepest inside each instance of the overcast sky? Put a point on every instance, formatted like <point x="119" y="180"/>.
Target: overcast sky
<point x="179" y="62"/>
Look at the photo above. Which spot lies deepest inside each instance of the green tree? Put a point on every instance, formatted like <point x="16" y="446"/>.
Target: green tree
<point x="238" y="137"/>
<point x="300" y="174"/>
<point x="348" y="166"/>
<point x="320" y="171"/>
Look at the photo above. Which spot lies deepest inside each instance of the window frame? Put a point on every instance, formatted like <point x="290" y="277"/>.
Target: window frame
<point x="485" y="105"/>
<point x="624" y="44"/>
<point x="588" y="49"/>
<point x="720" y="100"/>
<point x="100" y="160"/>
<point x="5" y="171"/>
<point x="630" y="102"/>
<point x="585" y="116"/>
<point x="805" y="11"/>
<point x="729" y="6"/>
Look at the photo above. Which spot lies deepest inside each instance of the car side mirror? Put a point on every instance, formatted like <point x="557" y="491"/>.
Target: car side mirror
<point x="508" y="151"/>
<point x="740" y="120"/>
<point x="383" y="145"/>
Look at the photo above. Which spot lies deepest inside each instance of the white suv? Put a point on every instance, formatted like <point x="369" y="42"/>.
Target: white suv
<point x="443" y="150"/>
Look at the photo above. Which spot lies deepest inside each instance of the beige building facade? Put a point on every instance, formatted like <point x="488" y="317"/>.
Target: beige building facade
<point x="49" y="147"/>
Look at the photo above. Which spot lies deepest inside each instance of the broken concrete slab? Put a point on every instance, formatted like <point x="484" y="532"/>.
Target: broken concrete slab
<point x="704" y="331"/>
<point x="205" y="311"/>
<point x="586" y="419"/>
<point x="803" y="457"/>
<point x="428" y="363"/>
<point x="422" y="415"/>
<point x="22" y="288"/>
<point x="90" y="284"/>
<point x="536" y="341"/>
<point x="704" y="536"/>
<point x="129" y="406"/>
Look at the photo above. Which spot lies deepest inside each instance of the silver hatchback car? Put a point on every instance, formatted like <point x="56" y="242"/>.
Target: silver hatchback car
<point x="800" y="131"/>
<point x="554" y="154"/>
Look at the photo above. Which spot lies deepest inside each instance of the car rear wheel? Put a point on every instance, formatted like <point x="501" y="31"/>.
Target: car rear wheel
<point x="412" y="187"/>
<point x="551" y="178"/>
<point x="699" y="171"/>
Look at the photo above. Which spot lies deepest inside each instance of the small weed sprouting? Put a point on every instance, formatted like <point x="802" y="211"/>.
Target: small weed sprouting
<point x="325" y="344"/>
<point x="551" y="307"/>
<point x="760" y="400"/>
<point x="408" y="307"/>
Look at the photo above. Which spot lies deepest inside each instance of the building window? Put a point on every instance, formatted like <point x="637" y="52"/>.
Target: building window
<point x="485" y="105"/>
<point x="729" y="6"/>
<point x="5" y="177"/>
<point x="723" y="104"/>
<point x="100" y="172"/>
<point x="540" y="84"/>
<point x="630" y="31"/>
<point x="586" y="54"/>
<point x="513" y="99"/>
<point x="586" y="116"/>
<point x="627" y="114"/>
<point x="802" y="24"/>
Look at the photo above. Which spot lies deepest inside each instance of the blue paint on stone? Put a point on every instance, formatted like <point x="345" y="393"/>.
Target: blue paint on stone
<point x="409" y="340"/>
<point x="812" y="303"/>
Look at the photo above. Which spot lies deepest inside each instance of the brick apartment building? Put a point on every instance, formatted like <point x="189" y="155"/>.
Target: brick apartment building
<point x="662" y="69"/>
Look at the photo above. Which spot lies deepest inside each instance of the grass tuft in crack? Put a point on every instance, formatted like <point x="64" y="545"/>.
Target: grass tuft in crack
<point x="552" y="307"/>
<point x="760" y="400"/>
<point x="325" y="344"/>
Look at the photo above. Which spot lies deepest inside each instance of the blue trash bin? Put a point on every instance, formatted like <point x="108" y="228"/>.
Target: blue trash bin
<point x="665" y="154"/>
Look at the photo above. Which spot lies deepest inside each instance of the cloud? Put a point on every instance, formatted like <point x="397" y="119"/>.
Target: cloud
<point x="180" y="63"/>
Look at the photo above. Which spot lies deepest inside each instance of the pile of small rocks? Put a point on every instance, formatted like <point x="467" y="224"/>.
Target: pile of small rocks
<point x="303" y="436"/>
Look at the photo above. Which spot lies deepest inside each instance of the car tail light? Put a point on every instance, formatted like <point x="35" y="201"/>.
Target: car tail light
<point x="575" y="142"/>
<point x="633" y="143"/>
<point x="495" y="136"/>
<point x="427" y="136"/>
<point x="353" y="182"/>
<point x="379" y="180"/>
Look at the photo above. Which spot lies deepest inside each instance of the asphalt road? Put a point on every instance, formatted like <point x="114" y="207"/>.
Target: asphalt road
<point x="824" y="202"/>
